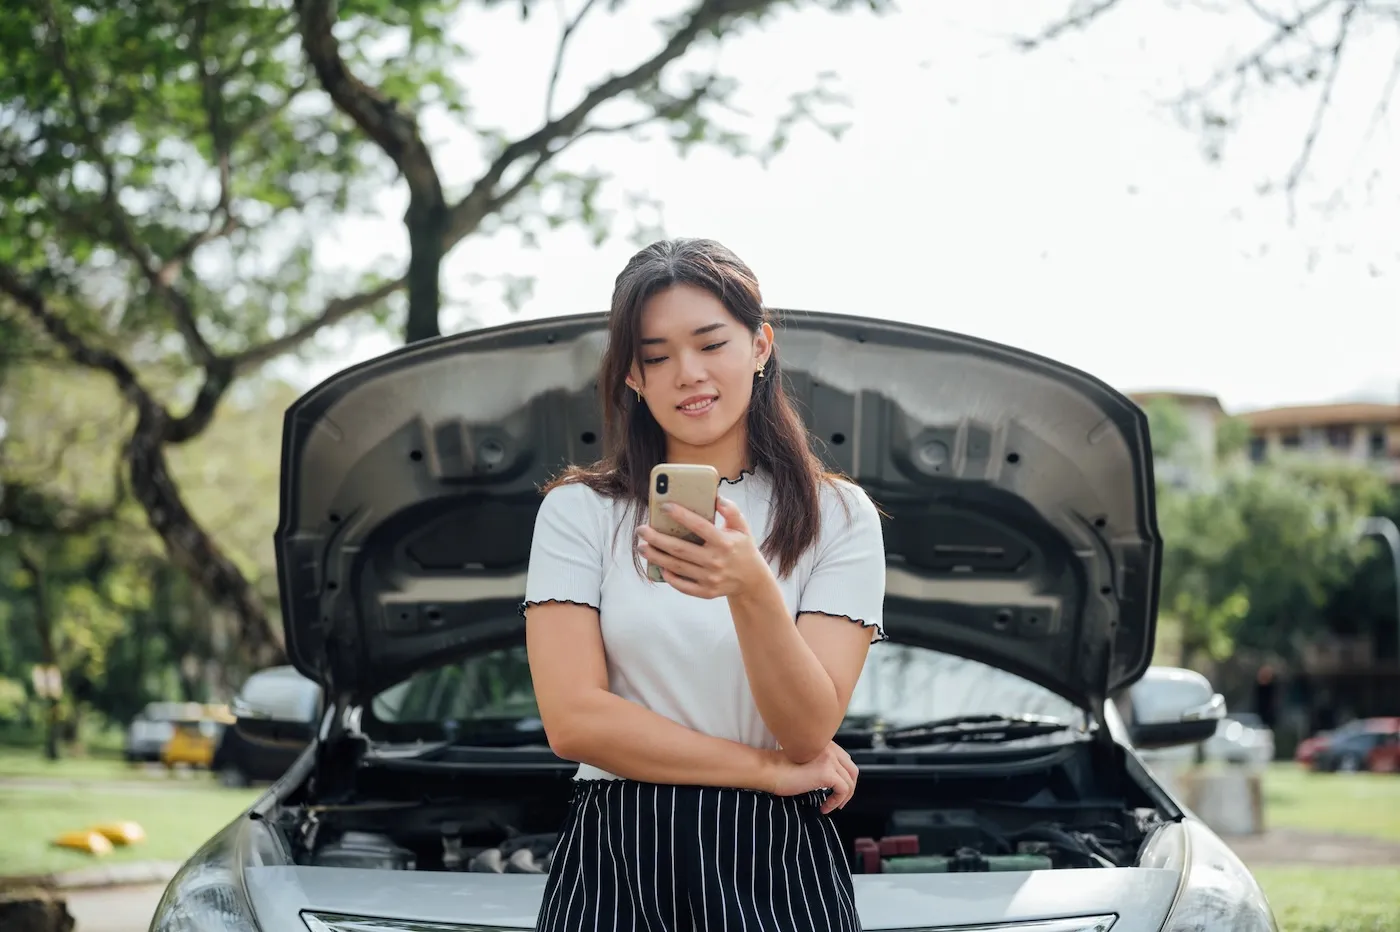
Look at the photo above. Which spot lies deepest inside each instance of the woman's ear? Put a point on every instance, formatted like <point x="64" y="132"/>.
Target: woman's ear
<point x="763" y="344"/>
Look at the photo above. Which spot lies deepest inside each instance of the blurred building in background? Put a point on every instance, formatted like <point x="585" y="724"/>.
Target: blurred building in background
<point x="1358" y="432"/>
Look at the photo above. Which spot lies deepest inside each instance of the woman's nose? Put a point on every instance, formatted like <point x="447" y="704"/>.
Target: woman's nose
<point x="691" y="369"/>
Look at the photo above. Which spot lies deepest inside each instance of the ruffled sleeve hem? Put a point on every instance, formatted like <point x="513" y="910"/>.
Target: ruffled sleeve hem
<point x="880" y="634"/>
<point x="528" y="602"/>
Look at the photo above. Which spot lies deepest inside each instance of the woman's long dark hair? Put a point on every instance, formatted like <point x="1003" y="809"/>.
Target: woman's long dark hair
<point x="633" y="442"/>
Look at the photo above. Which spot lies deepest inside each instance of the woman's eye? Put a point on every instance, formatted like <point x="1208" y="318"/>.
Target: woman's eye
<point x="653" y="360"/>
<point x="715" y="346"/>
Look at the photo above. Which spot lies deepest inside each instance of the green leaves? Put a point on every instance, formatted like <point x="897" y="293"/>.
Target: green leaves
<point x="168" y="170"/>
<point x="136" y="137"/>
<point x="1254" y="553"/>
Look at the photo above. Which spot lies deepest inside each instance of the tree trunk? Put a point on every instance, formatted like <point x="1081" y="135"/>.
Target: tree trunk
<point x="190" y="547"/>
<point x="427" y="225"/>
<point x="43" y="623"/>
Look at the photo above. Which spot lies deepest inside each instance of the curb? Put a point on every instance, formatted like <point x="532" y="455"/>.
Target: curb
<point x="133" y="873"/>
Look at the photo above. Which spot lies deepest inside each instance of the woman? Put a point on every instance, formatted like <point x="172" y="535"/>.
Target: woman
<point x="701" y="716"/>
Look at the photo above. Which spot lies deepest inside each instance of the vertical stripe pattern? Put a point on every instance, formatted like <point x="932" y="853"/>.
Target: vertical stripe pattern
<point x="639" y="856"/>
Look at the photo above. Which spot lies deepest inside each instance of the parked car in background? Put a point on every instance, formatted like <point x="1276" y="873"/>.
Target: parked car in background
<point x="1241" y="738"/>
<point x="999" y="787"/>
<point x="151" y="728"/>
<point x="1373" y="747"/>
<point x="193" y="743"/>
<point x="290" y="703"/>
<point x="1310" y="747"/>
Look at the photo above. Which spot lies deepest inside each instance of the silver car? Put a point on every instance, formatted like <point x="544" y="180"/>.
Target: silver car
<point x="1021" y="602"/>
<point x="1240" y="738"/>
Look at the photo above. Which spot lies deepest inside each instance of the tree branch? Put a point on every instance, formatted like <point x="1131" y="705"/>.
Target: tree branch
<point x="394" y="130"/>
<point x="333" y="313"/>
<point x="79" y="351"/>
<point x="565" y="34"/>
<point x="1256" y="61"/>
<point x="1080" y="16"/>
<point x="125" y="234"/>
<point x="481" y="200"/>
<point x="28" y="508"/>
<point x="1382" y="108"/>
<point x="212" y="91"/>
<point x="222" y="222"/>
<point x="220" y="373"/>
<point x="1288" y="52"/>
<point x="218" y="376"/>
<point x="1324" y="100"/>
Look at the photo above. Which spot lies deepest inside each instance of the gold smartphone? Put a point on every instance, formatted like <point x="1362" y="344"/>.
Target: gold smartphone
<point x="693" y="486"/>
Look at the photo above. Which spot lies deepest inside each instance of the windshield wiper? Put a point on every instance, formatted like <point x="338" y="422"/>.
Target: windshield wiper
<point x="990" y="728"/>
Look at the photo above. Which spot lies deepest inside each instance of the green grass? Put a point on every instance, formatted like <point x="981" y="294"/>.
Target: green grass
<point x="1333" y="899"/>
<point x="23" y="763"/>
<point x="1349" y="804"/>
<point x="176" y="823"/>
<point x="30" y="763"/>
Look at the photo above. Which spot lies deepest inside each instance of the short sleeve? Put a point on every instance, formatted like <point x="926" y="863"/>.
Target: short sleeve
<point x="848" y="574"/>
<point x="566" y="551"/>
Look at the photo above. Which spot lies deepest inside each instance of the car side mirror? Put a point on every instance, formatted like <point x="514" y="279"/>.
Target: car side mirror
<point x="269" y="726"/>
<point x="1173" y="707"/>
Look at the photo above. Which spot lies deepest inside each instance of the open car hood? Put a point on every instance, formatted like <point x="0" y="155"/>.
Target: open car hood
<point x="1021" y="526"/>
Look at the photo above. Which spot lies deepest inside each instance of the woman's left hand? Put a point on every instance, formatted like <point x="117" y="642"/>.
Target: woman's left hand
<point x="727" y="563"/>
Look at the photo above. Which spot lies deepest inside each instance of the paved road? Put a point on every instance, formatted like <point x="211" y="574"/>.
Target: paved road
<point x="114" y="909"/>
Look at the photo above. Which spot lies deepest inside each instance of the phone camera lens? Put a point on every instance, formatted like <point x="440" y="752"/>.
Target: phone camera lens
<point x="661" y="483"/>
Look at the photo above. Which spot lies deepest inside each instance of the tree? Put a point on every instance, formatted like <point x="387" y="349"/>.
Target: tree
<point x="1255" y="556"/>
<point x="152" y="156"/>
<point x="166" y="168"/>
<point x="1304" y="45"/>
<point x="83" y="583"/>
<point x="521" y="171"/>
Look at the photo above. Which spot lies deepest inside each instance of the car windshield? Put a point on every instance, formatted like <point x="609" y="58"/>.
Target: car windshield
<point x="489" y="696"/>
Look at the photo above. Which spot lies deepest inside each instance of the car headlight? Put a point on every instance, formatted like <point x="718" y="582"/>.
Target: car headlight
<point x="1217" y="892"/>
<point x="207" y="894"/>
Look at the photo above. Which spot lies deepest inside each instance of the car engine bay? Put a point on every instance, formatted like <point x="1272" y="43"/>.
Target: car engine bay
<point x="1048" y="818"/>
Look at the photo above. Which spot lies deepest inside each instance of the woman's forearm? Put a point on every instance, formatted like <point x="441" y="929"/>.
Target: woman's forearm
<point x="793" y="691"/>
<point x="626" y="739"/>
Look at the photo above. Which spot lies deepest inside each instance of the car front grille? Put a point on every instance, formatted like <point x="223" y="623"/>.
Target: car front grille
<point x="328" y="922"/>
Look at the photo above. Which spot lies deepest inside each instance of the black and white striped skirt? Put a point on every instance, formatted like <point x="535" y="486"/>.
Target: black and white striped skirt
<point x="641" y="856"/>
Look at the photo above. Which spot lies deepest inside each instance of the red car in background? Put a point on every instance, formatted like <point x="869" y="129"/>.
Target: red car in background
<point x="1385" y="756"/>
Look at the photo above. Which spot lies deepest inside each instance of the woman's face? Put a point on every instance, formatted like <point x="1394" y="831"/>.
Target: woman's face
<point x="697" y="364"/>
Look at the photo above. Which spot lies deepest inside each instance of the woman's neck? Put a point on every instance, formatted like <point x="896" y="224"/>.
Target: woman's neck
<point x="729" y="455"/>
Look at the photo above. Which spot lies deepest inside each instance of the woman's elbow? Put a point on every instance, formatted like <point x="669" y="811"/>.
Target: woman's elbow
<point x="568" y="730"/>
<point x="563" y="736"/>
<point x="806" y="744"/>
<point x="804" y="751"/>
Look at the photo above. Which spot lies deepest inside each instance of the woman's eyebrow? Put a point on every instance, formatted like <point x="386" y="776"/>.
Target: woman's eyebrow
<point x="698" y="331"/>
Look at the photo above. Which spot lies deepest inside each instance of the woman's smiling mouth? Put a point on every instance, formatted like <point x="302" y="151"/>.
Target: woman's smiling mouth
<point x="697" y="405"/>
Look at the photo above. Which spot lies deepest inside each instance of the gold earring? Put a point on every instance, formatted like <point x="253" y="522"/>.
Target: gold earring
<point x="639" y="395"/>
<point x="760" y="369"/>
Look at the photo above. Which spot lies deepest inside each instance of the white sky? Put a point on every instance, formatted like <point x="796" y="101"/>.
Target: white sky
<point x="1045" y="200"/>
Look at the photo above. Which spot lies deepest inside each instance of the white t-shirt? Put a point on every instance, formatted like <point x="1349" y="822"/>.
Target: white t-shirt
<point x="676" y="654"/>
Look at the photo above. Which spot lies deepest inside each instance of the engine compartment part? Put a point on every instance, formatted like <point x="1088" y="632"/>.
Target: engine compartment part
<point x="971" y="840"/>
<point x="1061" y="817"/>
<point x="364" y="849"/>
<point x="965" y="860"/>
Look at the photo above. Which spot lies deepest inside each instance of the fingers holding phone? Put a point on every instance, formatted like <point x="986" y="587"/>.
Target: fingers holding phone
<point x="682" y="544"/>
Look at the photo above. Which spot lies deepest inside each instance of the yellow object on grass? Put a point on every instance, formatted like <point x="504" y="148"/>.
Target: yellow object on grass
<point x="121" y="833"/>
<point x="85" y="840"/>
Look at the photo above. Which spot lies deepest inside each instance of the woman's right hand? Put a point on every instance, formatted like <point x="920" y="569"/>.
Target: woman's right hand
<point x="832" y="768"/>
